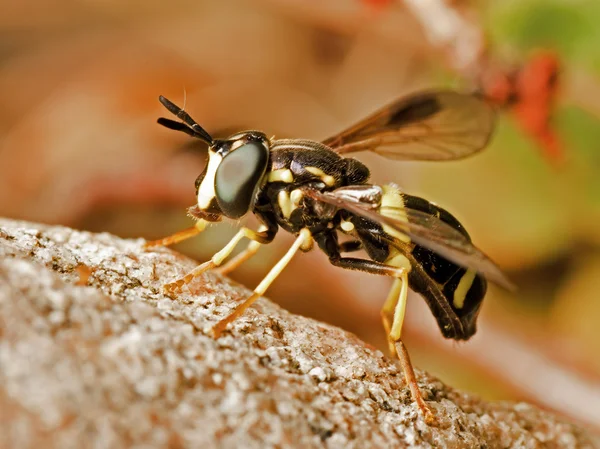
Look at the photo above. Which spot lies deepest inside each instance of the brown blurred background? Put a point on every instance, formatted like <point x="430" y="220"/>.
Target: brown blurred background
<point x="79" y="146"/>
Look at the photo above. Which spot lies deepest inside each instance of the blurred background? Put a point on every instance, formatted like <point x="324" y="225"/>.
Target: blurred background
<point x="79" y="146"/>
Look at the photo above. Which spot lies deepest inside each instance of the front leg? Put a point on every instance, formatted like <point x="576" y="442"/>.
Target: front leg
<point x="178" y="236"/>
<point x="238" y="260"/>
<point x="261" y="237"/>
<point x="268" y="224"/>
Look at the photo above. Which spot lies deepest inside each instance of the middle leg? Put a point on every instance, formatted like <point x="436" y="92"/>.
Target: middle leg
<point x="303" y="240"/>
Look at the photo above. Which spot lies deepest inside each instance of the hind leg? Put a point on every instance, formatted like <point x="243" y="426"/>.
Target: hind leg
<point x="393" y="317"/>
<point x="392" y="313"/>
<point x="387" y="312"/>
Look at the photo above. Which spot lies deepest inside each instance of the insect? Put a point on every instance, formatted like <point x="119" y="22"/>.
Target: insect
<point x="314" y="191"/>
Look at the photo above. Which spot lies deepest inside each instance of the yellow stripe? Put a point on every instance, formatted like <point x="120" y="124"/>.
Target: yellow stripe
<point x="281" y="175"/>
<point x="283" y="199"/>
<point x="296" y="198"/>
<point x="206" y="191"/>
<point x="392" y="206"/>
<point x="327" y="179"/>
<point x="465" y="283"/>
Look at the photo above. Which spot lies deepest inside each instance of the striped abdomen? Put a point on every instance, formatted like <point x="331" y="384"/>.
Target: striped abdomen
<point x="463" y="288"/>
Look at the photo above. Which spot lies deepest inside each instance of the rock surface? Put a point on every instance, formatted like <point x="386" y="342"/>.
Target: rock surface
<point x="92" y="354"/>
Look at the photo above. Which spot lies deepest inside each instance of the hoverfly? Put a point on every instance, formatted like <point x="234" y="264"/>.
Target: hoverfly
<point x="314" y="191"/>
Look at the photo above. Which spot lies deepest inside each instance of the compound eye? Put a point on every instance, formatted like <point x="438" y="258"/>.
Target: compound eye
<point x="238" y="177"/>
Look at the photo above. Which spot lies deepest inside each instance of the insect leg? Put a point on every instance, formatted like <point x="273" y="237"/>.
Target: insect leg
<point x="238" y="260"/>
<point x="350" y="246"/>
<point x="387" y="311"/>
<point x="395" y="306"/>
<point x="393" y="310"/>
<point x="411" y="381"/>
<point x="216" y="260"/>
<point x="268" y="224"/>
<point x="302" y="241"/>
<point x="178" y="236"/>
<point x="395" y="303"/>
<point x="368" y="266"/>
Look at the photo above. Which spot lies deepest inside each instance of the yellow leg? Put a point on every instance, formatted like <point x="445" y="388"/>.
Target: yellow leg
<point x="178" y="236"/>
<point x="396" y="303"/>
<point x="388" y="310"/>
<point x="238" y="260"/>
<point x="411" y="381"/>
<point x="242" y="257"/>
<point x="216" y="260"/>
<point x="400" y="308"/>
<point x="302" y="241"/>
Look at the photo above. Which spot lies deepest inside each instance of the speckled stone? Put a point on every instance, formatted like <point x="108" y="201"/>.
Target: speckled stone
<point x="115" y="363"/>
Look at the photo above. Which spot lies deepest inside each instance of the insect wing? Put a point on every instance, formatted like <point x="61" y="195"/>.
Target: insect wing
<point x="425" y="230"/>
<point x="431" y="232"/>
<point x="435" y="125"/>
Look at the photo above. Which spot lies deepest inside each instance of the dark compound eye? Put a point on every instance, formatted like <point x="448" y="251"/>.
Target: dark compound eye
<point x="238" y="177"/>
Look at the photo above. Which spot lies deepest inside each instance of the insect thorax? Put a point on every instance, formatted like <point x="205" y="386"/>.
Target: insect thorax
<point x="296" y="164"/>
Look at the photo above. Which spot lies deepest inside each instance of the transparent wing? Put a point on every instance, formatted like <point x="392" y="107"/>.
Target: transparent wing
<point x="423" y="229"/>
<point x="434" y="125"/>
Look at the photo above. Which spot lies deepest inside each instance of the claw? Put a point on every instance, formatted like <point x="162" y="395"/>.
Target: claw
<point x="172" y="288"/>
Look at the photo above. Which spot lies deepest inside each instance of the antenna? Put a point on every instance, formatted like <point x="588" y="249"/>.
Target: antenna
<point x="187" y="125"/>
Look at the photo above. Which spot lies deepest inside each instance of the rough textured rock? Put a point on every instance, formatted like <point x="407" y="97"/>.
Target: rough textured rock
<point x="105" y="360"/>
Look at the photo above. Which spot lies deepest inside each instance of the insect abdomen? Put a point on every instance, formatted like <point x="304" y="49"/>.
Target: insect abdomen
<point x="463" y="288"/>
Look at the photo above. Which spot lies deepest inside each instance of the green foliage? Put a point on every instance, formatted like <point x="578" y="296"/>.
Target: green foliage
<point x="582" y="132"/>
<point x="569" y="27"/>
